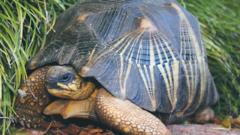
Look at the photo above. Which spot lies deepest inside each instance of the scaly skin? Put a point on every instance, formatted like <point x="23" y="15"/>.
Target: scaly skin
<point x="127" y="117"/>
<point x="32" y="99"/>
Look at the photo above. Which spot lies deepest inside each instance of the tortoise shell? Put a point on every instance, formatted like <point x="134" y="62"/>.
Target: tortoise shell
<point x="147" y="51"/>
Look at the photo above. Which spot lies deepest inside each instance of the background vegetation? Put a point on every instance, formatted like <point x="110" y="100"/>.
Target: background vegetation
<point x="24" y="25"/>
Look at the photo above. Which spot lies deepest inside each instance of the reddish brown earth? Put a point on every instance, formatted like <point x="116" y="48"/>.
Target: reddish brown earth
<point x="68" y="130"/>
<point x="184" y="129"/>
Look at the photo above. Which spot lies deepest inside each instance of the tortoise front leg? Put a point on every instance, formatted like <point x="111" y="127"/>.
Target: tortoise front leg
<point x="127" y="117"/>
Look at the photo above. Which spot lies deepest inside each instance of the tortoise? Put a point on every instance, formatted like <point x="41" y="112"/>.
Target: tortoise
<point x="146" y="54"/>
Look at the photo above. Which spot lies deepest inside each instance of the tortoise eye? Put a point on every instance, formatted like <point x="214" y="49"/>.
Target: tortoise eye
<point x="66" y="78"/>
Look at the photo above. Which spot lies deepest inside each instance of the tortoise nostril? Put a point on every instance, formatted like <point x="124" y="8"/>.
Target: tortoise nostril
<point x="52" y="82"/>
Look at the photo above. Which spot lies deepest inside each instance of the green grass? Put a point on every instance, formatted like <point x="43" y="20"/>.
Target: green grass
<point x="24" y="26"/>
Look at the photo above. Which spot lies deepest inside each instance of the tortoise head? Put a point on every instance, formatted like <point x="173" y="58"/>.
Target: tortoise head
<point x="64" y="82"/>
